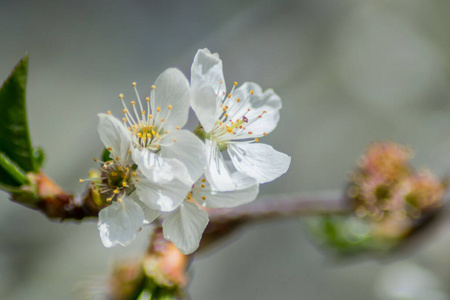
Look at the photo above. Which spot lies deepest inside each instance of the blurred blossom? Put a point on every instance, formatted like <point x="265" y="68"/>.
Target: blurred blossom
<point x="391" y="201"/>
<point x="385" y="186"/>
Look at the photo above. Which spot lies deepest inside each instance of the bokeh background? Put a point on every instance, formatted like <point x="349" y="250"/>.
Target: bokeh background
<point x="349" y="73"/>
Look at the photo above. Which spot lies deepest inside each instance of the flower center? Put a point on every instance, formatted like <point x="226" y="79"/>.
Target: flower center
<point x="117" y="180"/>
<point x="146" y="125"/>
<point x="145" y="135"/>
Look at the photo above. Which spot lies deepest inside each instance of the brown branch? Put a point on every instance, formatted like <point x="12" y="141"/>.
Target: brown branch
<point x="44" y="195"/>
<point x="223" y="222"/>
<point x="273" y="208"/>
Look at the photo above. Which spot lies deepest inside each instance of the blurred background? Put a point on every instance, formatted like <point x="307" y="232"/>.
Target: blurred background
<point x="349" y="73"/>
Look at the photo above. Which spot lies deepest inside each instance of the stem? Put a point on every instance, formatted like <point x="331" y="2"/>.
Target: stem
<point x="288" y="206"/>
<point x="56" y="204"/>
<point x="223" y="222"/>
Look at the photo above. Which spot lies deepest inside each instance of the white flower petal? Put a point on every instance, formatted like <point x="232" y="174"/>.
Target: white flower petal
<point x="155" y="167"/>
<point x="259" y="161"/>
<point x="149" y="214"/>
<point x="115" y="135"/>
<point x="217" y="172"/>
<point x="184" y="227"/>
<point x="172" y="88"/>
<point x="120" y="222"/>
<point x="162" y="197"/>
<point x="246" y="191"/>
<point x="205" y="105"/>
<point x="265" y="104"/>
<point x="207" y="69"/>
<point x="189" y="150"/>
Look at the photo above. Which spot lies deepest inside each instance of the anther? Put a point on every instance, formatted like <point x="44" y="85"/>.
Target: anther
<point x="221" y="82"/>
<point x="147" y="99"/>
<point x="133" y="102"/>
<point x="265" y="133"/>
<point x="174" y="140"/>
<point x="95" y="159"/>
<point x="166" y="132"/>
<point x="256" y="140"/>
<point x="203" y="186"/>
<point x="238" y="99"/>
<point x="119" y="200"/>
<point x="109" y="149"/>
<point x="229" y="95"/>
<point x="117" y="158"/>
<point x="250" y="132"/>
<point x="158" y="109"/>
<point x="150" y="116"/>
<point x="162" y="120"/>
<point x="133" y="84"/>
<point x="108" y="112"/>
<point x="129" y="152"/>
<point x="251" y="92"/>
<point x="235" y="83"/>
<point x="80" y="180"/>
<point x="120" y="96"/>
<point x="125" y="111"/>
<point x="116" y="191"/>
<point x="153" y="87"/>
<point x="143" y="112"/>
<point x="203" y="198"/>
<point x="124" y="120"/>
<point x="203" y="180"/>
<point x="169" y="106"/>
<point x="134" y="174"/>
<point x="178" y="127"/>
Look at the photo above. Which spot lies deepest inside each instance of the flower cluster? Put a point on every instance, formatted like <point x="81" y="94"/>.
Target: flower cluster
<point x="156" y="169"/>
<point x="388" y="191"/>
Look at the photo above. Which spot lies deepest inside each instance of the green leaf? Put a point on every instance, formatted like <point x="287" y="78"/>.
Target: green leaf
<point x="15" y="174"/>
<point x="39" y="157"/>
<point x="105" y="155"/>
<point x="14" y="137"/>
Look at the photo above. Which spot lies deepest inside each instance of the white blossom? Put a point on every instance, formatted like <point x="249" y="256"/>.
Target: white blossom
<point x="235" y="122"/>
<point x="126" y="188"/>
<point x="161" y="149"/>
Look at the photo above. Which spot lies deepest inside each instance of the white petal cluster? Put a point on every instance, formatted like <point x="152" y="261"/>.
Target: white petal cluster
<point x="235" y="122"/>
<point x="157" y="169"/>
